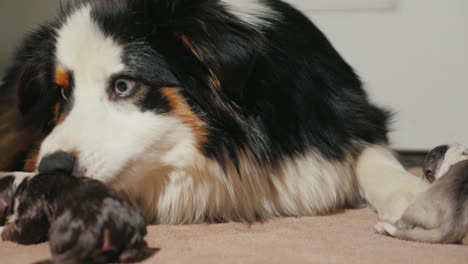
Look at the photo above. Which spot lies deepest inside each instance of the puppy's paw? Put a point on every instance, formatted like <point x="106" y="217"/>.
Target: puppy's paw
<point x="384" y="228"/>
<point x="379" y="228"/>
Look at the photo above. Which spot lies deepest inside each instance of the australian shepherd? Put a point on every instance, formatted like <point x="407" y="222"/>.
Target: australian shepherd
<point x="201" y="111"/>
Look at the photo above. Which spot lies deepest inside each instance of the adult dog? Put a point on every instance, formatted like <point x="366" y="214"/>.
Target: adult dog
<point x="208" y="110"/>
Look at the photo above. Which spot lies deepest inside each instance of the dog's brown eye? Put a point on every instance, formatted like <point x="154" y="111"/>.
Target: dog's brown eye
<point x="124" y="88"/>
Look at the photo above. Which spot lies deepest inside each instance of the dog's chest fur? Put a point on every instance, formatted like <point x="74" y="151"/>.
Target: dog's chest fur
<point x="202" y="192"/>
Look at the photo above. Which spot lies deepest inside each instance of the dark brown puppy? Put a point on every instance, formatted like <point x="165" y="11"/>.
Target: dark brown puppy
<point x="439" y="215"/>
<point x="85" y="221"/>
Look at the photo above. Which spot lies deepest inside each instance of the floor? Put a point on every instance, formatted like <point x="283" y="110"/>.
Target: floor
<point x="345" y="237"/>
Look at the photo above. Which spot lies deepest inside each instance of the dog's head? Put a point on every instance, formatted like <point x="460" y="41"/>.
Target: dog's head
<point x="135" y="85"/>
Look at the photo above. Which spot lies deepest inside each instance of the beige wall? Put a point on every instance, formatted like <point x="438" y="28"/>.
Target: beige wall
<point x="413" y="58"/>
<point x="18" y="17"/>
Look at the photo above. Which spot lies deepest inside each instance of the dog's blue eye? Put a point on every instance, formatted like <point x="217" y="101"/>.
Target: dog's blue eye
<point x="124" y="87"/>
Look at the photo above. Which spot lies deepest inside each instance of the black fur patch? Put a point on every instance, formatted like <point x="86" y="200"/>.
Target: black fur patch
<point x="283" y="89"/>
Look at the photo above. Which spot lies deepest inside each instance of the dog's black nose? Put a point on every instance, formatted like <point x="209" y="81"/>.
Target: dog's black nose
<point x="58" y="162"/>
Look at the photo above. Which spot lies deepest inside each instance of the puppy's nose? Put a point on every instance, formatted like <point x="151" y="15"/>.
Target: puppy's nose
<point x="58" y="162"/>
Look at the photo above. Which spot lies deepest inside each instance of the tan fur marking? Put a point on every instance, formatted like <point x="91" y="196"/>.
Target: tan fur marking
<point x="31" y="163"/>
<point x="61" y="77"/>
<point x="32" y="160"/>
<point x="76" y="153"/>
<point x="58" y="116"/>
<point x="107" y="241"/>
<point x="182" y="110"/>
<point x="215" y="80"/>
<point x="14" y="137"/>
<point x="189" y="45"/>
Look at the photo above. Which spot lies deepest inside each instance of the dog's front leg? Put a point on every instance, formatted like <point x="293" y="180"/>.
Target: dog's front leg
<point x="386" y="185"/>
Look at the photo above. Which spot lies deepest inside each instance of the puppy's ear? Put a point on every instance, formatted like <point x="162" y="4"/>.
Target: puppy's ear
<point x="228" y="49"/>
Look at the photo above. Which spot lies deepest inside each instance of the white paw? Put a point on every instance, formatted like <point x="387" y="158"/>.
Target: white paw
<point x="379" y="228"/>
<point x="384" y="228"/>
<point x="395" y="205"/>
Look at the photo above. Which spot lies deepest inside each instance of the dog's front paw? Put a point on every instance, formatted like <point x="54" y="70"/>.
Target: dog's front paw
<point x="395" y="205"/>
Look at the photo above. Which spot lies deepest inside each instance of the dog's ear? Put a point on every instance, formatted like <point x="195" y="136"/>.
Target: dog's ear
<point x="31" y="73"/>
<point x="227" y="47"/>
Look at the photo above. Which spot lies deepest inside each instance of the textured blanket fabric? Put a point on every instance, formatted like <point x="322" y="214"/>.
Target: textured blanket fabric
<point x="345" y="237"/>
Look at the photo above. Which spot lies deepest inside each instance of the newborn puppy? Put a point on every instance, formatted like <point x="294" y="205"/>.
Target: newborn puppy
<point x="85" y="221"/>
<point x="439" y="215"/>
<point x="442" y="158"/>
